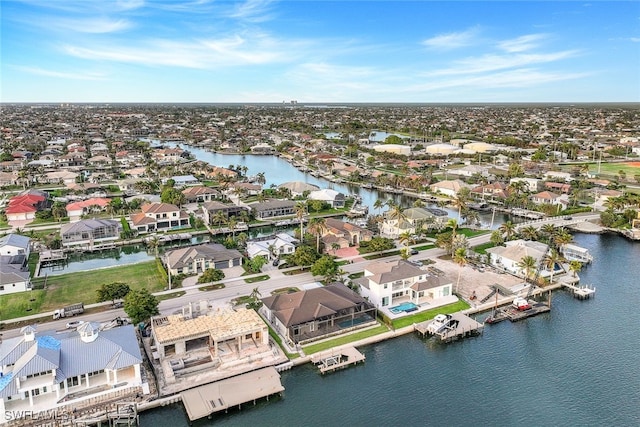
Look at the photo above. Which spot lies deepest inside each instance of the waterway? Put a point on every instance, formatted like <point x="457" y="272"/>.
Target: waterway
<point x="576" y="366"/>
<point x="278" y="171"/>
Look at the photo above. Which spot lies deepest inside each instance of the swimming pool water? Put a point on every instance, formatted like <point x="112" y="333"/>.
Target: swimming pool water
<point x="405" y="306"/>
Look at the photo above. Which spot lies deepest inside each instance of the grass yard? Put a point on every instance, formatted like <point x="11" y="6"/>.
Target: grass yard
<point x="78" y="287"/>
<point x="631" y="168"/>
<point x="345" y="339"/>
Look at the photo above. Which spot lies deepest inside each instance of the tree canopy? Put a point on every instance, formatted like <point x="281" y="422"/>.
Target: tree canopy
<point x="211" y="275"/>
<point x="112" y="291"/>
<point x="140" y="305"/>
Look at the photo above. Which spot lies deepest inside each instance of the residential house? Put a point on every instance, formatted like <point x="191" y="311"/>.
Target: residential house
<point x="494" y="192"/>
<point x="558" y="187"/>
<point x="509" y="256"/>
<point x="308" y="315"/>
<point x="448" y="188"/>
<point x="59" y="177"/>
<point x="8" y="178"/>
<point x="14" y="274"/>
<point x="386" y="284"/>
<point x="52" y="371"/>
<point x="159" y="217"/>
<point x="23" y="207"/>
<point x="413" y="220"/>
<point x="343" y="234"/>
<point x="558" y="176"/>
<point x="245" y="188"/>
<point x="15" y="244"/>
<point x="90" y="232"/>
<point x="532" y="185"/>
<point x="215" y="212"/>
<point x="333" y="198"/>
<point x="197" y="259"/>
<point x="547" y="197"/>
<point x="298" y="188"/>
<point x="470" y="170"/>
<point x="182" y="180"/>
<point x="273" y="208"/>
<point x="272" y="247"/>
<point x="76" y="210"/>
<point x="200" y="194"/>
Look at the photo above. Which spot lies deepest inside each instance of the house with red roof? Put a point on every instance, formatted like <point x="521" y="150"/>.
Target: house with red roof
<point x="75" y="210"/>
<point x="23" y="207"/>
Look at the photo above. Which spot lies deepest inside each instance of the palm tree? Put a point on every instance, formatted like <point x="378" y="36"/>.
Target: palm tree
<point x="528" y="264"/>
<point x="317" y="226"/>
<point x="378" y="204"/>
<point x="301" y="210"/>
<point x="552" y="258"/>
<point x="231" y="223"/>
<point x="529" y="233"/>
<point x="508" y="229"/>
<point x="153" y="243"/>
<point x="396" y="213"/>
<point x="460" y="258"/>
<point x="575" y="266"/>
<point x="405" y="239"/>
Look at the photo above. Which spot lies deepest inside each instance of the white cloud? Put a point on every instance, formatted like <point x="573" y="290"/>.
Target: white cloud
<point x="522" y="43"/>
<point x="493" y="62"/>
<point x="60" y="74"/>
<point x="92" y="25"/>
<point x="202" y="54"/>
<point x="453" y="40"/>
<point x="252" y="11"/>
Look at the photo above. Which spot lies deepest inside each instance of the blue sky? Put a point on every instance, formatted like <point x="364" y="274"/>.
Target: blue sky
<point x="319" y="51"/>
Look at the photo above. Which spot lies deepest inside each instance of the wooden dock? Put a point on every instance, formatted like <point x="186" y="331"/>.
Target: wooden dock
<point x="332" y="360"/>
<point x="221" y="395"/>
<point x="459" y="326"/>
<point x="516" y="315"/>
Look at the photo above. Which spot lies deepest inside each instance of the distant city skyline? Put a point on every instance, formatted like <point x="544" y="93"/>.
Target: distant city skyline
<point x="205" y="51"/>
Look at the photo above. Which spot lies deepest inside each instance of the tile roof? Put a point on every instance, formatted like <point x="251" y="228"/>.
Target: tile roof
<point x="304" y="306"/>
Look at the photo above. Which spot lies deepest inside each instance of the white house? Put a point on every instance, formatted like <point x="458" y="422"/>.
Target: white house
<point x="533" y="184"/>
<point x="332" y="197"/>
<point x="389" y="283"/>
<point x="14" y="244"/>
<point x="272" y="247"/>
<point x="448" y="188"/>
<point x="59" y="371"/>
<point x="509" y="256"/>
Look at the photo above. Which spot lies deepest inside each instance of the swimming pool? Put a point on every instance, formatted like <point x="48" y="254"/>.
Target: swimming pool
<point x="405" y="306"/>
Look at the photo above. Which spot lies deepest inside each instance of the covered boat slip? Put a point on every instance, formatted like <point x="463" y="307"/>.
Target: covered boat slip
<point x="207" y="399"/>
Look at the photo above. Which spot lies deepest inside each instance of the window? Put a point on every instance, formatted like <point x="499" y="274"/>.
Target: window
<point x="385" y="285"/>
<point x="385" y="301"/>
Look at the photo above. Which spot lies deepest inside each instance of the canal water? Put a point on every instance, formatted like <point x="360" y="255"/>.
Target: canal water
<point x="577" y="365"/>
<point x="278" y="171"/>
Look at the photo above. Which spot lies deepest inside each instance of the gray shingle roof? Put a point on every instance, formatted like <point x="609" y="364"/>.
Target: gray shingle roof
<point x="15" y="240"/>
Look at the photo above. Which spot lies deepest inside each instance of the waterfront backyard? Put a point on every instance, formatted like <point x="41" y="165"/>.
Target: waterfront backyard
<point x="53" y="292"/>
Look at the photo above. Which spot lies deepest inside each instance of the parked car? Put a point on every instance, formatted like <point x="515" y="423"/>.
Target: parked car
<point x="117" y="304"/>
<point x="74" y="324"/>
<point x="276" y="262"/>
<point x="414" y="252"/>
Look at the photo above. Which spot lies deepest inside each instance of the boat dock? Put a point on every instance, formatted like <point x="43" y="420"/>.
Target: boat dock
<point x="332" y="360"/>
<point x="581" y="292"/>
<point x="515" y="315"/>
<point x="459" y="326"/>
<point x="221" y="395"/>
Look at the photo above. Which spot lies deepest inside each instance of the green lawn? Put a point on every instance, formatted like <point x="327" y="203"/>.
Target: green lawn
<point x="630" y="168"/>
<point x="345" y="339"/>
<point x="430" y="314"/>
<point x="257" y="278"/>
<point x="482" y="249"/>
<point x="78" y="287"/>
